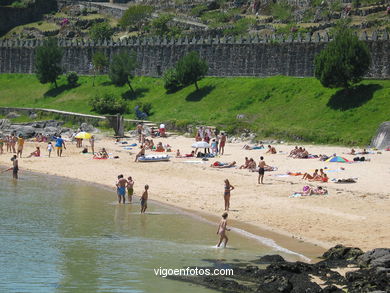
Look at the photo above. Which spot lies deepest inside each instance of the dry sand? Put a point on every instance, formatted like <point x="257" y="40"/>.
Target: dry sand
<point x="352" y="214"/>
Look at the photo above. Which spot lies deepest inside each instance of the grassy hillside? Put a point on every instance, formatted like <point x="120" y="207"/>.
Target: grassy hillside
<point x="282" y="107"/>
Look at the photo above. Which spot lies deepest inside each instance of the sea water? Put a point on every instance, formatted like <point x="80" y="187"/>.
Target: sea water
<point x="61" y="235"/>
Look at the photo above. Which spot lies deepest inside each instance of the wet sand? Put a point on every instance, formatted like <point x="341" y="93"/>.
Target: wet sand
<point x="352" y="214"/>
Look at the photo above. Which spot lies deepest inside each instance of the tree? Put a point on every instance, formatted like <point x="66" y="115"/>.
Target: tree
<point x="99" y="62"/>
<point x="160" y="25"/>
<point x="122" y="67"/>
<point x="100" y="31"/>
<point x="190" y="69"/>
<point x="135" y="16"/>
<point x="343" y="62"/>
<point x="48" y="62"/>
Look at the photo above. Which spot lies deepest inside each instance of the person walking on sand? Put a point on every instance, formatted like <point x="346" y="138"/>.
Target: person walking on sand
<point x="222" y="228"/>
<point x="262" y="166"/>
<point x="140" y="128"/>
<point x="60" y="143"/>
<point x="226" y="196"/>
<point x="121" y="188"/>
<point x="144" y="199"/>
<point x="222" y="143"/>
<point x="130" y="188"/>
<point x="20" y="145"/>
<point x="49" y="148"/>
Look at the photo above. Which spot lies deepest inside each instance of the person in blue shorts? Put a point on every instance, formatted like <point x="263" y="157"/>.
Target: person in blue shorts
<point x="121" y="188"/>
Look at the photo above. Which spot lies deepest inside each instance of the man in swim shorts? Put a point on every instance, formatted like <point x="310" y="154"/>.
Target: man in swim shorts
<point x="121" y="188"/>
<point x="262" y="166"/>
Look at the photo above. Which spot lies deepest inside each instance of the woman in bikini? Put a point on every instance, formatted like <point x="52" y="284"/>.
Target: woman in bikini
<point x="222" y="230"/>
<point x="226" y="196"/>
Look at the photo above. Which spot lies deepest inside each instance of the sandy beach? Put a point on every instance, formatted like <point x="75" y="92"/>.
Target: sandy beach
<point x="356" y="214"/>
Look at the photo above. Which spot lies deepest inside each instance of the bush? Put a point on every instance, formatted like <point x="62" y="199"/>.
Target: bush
<point x="108" y="104"/>
<point x="171" y="81"/>
<point x="147" y="108"/>
<point x="199" y="10"/>
<point x="282" y="11"/>
<point x="72" y="79"/>
<point x="135" y="16"/>
<point x="100" y="31"/>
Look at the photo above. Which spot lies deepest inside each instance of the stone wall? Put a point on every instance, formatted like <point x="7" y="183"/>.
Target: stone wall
<point x="11" y="16"/>
<point x="226" y="57"/>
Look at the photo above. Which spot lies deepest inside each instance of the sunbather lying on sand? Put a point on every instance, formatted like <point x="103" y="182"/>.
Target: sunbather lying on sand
<point x="218" y="164"/>
<point x="255" y="147"/>
<point x="307" y="190"/>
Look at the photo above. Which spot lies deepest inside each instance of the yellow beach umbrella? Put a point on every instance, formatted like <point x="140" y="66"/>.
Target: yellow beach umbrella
<point x="83" y="135"/>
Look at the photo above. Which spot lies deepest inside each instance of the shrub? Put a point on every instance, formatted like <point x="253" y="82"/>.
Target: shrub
<point x="135" y="16"/>
<point x="199" y="10"/>
<point x="72" y="79"/>
<point x="171" y="81"/>
<point x="108" y="104"/>
<point x="100" y="31"/>
<point x="282" y="11"/>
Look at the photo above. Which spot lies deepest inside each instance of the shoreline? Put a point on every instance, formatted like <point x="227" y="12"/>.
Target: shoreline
<point x="309" y="224"/>
<point x="306" y="250"/>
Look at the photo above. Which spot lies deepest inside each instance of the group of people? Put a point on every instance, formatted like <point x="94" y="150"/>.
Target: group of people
<point x="217" y="142"/>
<point x="13" y="144"/>
<point x="124" y="186"/>
<point x="322" y="177"/>
<point x="299" y="153"/>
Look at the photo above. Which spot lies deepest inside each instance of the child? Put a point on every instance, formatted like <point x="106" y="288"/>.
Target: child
<point x="144" y="199"/>
<point x="222" y="230"/>
<point x="130" y="188"/>
<point x="49" y="148"/>
<point x="178" y="155"/>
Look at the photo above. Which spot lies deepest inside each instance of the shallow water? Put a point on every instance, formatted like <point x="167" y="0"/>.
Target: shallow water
<point x="60" y="235"/>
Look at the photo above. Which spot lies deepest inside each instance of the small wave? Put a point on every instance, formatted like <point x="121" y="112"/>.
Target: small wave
<point x="269" y="242"/>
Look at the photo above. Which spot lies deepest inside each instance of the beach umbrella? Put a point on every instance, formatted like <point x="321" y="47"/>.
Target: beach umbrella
<point x="337" y="159"/>
<point x="200" y="145"/>
<point x="83" y="135"/>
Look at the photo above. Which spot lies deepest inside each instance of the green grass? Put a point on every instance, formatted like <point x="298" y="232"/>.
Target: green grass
<point x="280" y="107"/>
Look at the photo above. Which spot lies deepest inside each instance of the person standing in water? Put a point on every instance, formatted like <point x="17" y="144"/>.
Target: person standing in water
<point x="222" y="228"/>
<point x="226" y="196"/>
<point x="144" y="199"/>
<point x="121" y="188"/>
<point x="130" y="188"/>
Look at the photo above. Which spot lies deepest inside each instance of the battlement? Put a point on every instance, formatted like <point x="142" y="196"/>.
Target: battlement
<point x="291" y="55"/>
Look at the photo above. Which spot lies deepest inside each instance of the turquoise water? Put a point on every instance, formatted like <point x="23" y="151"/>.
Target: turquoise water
<point x="59" y="235"/>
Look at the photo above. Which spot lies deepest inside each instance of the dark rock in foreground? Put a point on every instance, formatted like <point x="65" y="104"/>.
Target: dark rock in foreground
<point x="366" y="272"/>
